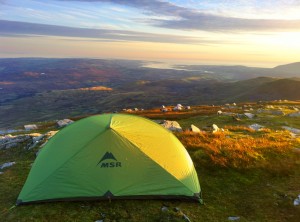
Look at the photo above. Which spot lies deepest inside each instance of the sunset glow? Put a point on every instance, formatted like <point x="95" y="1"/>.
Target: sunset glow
<point x="250" y="32"/>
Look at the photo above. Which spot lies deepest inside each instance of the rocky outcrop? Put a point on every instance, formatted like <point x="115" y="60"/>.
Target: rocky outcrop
<point x="9" y="141"/>
<point x="29" y="141"/>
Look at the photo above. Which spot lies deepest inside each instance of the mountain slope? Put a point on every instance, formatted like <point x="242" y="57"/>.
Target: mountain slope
<point x="292" y="69"/>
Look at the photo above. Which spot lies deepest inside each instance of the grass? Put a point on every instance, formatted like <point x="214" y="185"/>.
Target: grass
<point x="242" y="172"/>
<point x="235" y="151"/>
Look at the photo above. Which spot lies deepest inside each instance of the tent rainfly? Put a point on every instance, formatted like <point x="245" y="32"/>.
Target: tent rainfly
<point x="112" y="156"/>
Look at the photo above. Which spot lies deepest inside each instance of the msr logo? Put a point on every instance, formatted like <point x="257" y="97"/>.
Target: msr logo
<point x="109" y="161"/>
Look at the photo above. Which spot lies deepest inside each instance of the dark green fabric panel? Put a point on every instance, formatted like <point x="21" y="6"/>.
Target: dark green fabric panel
<point x="62" y="147"/>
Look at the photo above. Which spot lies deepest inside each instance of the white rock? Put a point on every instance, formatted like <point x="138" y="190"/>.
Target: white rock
<point x="278" y="113"/>
<point x="297" y="201"/>
<point x="64" y="122"/>
<point x="233" y="218"/>
<point x="164" y="209"/>
<point x="219" y="112"/>
<point x="215" y="128"/>
<point x="162" y="107"/>
<point x="172" y="125"/>
<point x="292" y="130"/>
<point x="8" y="164"/>
<point x="194" y="129"/>
<point x="30" y="127"/>
<point x="296" y="114"/>
<point x="249" y="115"/>
<point x="187" y="107"/>
<point x="256" y="126"/>
<point x="177" y="108"/>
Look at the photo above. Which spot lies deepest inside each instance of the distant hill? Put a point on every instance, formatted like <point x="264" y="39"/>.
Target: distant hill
<point x="291" y="69"/>
<point x="273" y="90"/>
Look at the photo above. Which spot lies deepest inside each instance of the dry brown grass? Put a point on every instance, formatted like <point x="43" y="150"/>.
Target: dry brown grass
<point x="97" y="88"/>
<point x="178" y="115"/>
<point x="229" y="150"/>
<point x="239" y="129"/>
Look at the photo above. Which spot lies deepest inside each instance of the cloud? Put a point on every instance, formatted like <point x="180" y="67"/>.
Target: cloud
<point x="21" y="29"/>
<point x="218" y="23"/>
<point x="191" y="19"/>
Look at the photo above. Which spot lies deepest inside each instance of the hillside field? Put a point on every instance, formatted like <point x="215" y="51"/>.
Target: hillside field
<point x="253" y="175"/>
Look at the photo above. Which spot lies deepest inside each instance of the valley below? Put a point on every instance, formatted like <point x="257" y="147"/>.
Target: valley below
<point x="40" y="89"/>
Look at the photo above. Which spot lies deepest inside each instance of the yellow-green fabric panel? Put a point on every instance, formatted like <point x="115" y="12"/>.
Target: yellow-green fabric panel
<point x="160" y="145"/>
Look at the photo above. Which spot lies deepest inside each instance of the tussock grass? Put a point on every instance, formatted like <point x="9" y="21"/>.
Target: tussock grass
<point x="230" y="150"/>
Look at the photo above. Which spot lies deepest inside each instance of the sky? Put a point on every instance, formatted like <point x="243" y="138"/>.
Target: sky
<point x="242" y="32"/>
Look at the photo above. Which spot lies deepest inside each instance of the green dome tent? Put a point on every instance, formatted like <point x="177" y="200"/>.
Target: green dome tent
<point x="112" y="156"/>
